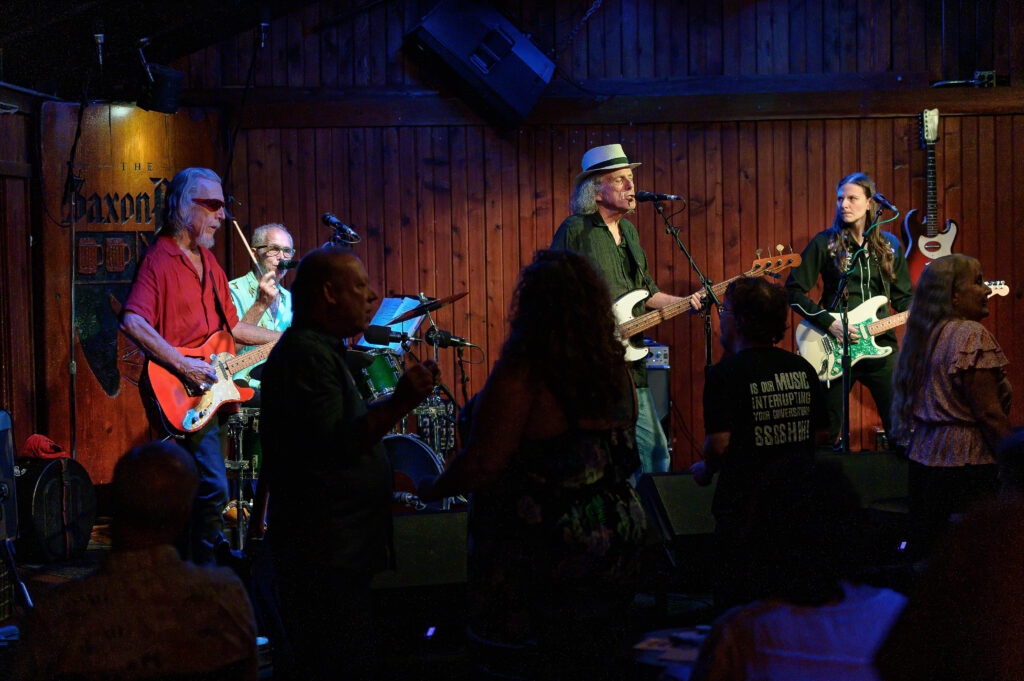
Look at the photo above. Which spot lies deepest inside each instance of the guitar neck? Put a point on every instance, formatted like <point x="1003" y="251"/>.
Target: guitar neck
<point x="932" y="224"/>
<point x="244" y="361"/>
<point x="655" y="317"/>
<point x="891" y="322"/>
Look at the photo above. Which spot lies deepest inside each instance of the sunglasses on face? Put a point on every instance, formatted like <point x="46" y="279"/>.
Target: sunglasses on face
<point x="212" y="205"/>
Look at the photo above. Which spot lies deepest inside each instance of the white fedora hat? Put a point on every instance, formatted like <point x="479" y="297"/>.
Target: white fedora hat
<point x="602" y="159"/>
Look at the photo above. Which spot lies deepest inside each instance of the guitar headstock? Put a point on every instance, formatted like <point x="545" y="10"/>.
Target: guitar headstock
<point x="999" y="288"/>
<point x="929" y="126"/>
<point x="772" y="266"/>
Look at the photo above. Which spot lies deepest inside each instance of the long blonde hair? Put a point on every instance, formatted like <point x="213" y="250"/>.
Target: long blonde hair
<point x="841" y="244"/>
<point x="930" y="309"/>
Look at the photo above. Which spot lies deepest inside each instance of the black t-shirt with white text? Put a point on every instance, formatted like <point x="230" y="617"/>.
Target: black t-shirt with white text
<point x="771" y="403"/>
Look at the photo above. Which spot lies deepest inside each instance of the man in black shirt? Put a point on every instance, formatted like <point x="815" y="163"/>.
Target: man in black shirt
<point x="761" y="405"/>
<point x="327" y="473"/>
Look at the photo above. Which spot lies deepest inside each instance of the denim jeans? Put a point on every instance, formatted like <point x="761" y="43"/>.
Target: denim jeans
<point x="650" y="438"/>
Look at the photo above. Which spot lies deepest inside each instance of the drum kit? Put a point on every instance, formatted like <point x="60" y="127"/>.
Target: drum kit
<point x="415" y="457"/>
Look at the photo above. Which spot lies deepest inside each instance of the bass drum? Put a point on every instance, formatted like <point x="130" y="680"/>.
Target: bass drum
<point x="412" y="463"/>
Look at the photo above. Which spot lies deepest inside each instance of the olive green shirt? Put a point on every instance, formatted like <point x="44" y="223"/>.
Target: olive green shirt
<point x="623" y="266"/>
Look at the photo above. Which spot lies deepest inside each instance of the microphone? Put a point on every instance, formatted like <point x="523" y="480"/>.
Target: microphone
<point x="882" y="201"/>
<point x="445" y="339"/>
<point x="288" y="264"/>
<point x="385" y="335"/>
<point x="347" y="232"/>
<point x="648" y="196"/>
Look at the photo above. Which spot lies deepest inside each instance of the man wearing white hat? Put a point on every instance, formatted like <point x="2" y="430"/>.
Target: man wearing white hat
<point x="603" y="195"/>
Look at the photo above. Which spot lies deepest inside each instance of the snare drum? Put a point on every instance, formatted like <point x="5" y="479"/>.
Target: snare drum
<point x="381" y="376"/>
<point x="412" y="463"/>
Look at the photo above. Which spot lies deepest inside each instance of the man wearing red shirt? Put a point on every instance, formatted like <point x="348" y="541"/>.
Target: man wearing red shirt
<point x="179" y="298"/>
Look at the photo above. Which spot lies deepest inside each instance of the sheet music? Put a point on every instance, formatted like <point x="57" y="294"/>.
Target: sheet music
<point x="388" y="310"/>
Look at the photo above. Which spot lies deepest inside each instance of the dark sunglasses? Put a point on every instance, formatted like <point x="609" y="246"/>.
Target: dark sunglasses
<point x="212" y="205"/>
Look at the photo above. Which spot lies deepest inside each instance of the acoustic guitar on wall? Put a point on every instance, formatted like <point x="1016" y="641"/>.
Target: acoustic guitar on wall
<point x="925" y="241"/>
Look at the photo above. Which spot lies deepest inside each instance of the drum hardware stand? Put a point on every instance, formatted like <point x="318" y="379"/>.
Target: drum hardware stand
<point x="21" y="595"/>
<point x="243" y="506"/>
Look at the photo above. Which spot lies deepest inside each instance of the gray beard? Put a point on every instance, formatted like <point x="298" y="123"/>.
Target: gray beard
<point x="205" y="241"/>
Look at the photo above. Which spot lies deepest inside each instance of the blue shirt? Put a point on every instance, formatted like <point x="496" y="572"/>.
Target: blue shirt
<point x="244" y="292"/>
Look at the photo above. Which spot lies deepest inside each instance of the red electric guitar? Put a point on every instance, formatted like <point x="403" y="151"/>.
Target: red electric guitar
<point x="925" y="242"/>
<point x="189" y="410"/>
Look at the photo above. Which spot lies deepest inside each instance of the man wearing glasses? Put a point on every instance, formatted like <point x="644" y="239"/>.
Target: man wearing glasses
<point x="259" y="299"/>
<point x="179" y="298"/>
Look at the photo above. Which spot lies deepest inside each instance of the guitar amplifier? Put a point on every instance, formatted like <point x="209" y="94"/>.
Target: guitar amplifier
<point x="659" y="381"/>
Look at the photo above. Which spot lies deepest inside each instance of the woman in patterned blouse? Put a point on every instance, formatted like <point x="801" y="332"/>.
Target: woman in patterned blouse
<point x="952" y="398"/>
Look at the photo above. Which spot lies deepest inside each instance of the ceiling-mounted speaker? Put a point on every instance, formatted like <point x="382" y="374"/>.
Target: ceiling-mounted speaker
<point x="492" y="56"/>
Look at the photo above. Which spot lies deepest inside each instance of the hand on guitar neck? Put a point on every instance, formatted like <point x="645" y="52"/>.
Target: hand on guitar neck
<point x="837" y="330"/>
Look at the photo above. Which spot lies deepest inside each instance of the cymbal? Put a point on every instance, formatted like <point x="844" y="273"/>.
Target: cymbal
<point x="429" y="306"/>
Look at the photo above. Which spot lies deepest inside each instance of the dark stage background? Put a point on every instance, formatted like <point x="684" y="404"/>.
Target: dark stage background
<point x="753" y="110"/>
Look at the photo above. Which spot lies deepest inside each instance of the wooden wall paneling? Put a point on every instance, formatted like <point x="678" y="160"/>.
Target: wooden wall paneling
<point x="347" y="53"/>
<point x="590" y="47"/>
<point x="901" y="44"/>
<point x="983" y="218"/>
<point x="797" y="37"/>
<point x="800" y="188"/>
<point x="694" y="18"/>
<point x="328" y="68"/>
<point x="307" y="202"/>
<point x="393" y="66"/>
<point x="393" y="217"/>
<point x="409" y="198"/>
<point x="564" y="167"/>
<point x="426" y="228"/>
<point x="1016" y="45"/>
<point x="476" y="251"/>
<point x="714" y="38"/>
<point x="666" y="26"/>
<point x="272" y="169"/>
<point x="884" y="11"/>
<point x="259" y="189"/>
<point x="831" y="62"/>
<point x="987" y="38"/>
<point x="295" y="50"/>
<point x="969" y="185"/>
<point x="967" y="38"/>
<point x="527" y="195"/>
<point x="848" y="27"/>
<point x="237" y="186"/>
<point x="374" y="197"/>
<point x="17" y="342"/>
<point x="783" y="184"/>
<point x="495" y="294"/>
<point x="458" y="216"/>
<point x="357" y="180"/>
<point x="444" y="283"/>
<point x="509" y="229"/>
<point x="935" y="39"/>
<point x="780" y="36"/>
<point x="227" y="63"/>
<point x="1016" y="370"/>
<point x="279" y="49"/>
<point x="1016" y="225"/>
<point x="377" y="18"/>
<point x="948" y="169"/>
<point x="630" y="37"/>
<point x="865" y="34"/>
<point x="362" y="50"/>
<point x="645" y="21"/>
<point x="544" y="214"/>
<point x="338" y="198"/>
<point x="574" y="55"/>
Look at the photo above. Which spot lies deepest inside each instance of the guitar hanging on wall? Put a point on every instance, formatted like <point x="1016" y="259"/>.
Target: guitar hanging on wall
<point x="925" y="242"/>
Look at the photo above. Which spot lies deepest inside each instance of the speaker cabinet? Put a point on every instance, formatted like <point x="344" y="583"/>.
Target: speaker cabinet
<point x="492" y="56"/>
<point x="430" y="550"/>
<point x="676" y="505"/>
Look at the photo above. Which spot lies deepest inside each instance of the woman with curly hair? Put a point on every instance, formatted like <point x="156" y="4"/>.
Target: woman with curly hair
<point x="882" y="272"/>
<point x="951" y="402"/>
<point x="554" y="525"/>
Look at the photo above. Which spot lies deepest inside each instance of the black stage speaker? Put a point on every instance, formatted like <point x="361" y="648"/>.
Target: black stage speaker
<point x="8" y="493"/>
<point x="491" y="55"/>
<point x="430" y="550"/>
<point x="676" y="505"/>
<point x="880" y="478"/>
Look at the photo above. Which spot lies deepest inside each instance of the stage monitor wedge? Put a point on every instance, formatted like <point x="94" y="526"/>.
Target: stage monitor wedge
<point x="489" y="54"/>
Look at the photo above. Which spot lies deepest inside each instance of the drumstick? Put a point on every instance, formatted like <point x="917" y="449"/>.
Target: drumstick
<point x="248" y="248"/>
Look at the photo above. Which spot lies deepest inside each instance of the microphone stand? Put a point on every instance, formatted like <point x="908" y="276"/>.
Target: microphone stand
<point x="842" y="301"/>
<point x="709" y="291"/>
